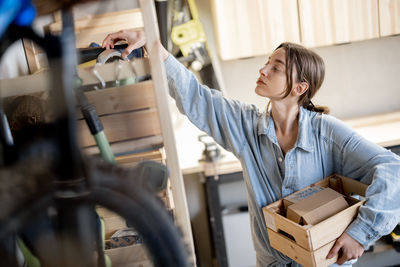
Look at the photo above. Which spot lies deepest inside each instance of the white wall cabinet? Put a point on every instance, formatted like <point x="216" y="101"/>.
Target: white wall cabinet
<point x="255" y="27"/>
<point x="389" y="17"/>
<point x="328" y="22"/>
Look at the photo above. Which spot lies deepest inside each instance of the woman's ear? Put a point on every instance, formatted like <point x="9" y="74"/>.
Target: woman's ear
<point x="300" y="88"/>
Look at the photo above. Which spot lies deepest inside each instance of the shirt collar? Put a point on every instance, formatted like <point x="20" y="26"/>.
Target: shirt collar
<point x="304" y="137"/>
<point x="265" y="125"/>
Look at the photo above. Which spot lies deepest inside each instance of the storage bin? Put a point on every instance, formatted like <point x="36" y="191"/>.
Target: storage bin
<point x="310" y="244"/>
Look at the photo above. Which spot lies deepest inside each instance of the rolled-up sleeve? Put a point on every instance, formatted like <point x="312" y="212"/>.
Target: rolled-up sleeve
<point x="219" y="117"/>
<point x="380" y="168"/>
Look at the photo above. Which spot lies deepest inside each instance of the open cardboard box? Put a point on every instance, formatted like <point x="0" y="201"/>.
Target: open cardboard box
<point x="310" y="244"/>
<point x="317" y="207"/>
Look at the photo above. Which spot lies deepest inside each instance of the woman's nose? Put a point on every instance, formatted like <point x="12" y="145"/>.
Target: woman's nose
<point x="264" y="70"/>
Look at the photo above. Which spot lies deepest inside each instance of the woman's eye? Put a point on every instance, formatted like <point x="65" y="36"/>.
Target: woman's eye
<point x="275" y="69"/>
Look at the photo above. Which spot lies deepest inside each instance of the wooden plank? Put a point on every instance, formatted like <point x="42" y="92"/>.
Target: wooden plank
<point x="119" y="99"/>
<point x="251" y="28"/>
<point x="129" y="146"/>
<point x="137" y="157"/>
<point x="219" y="168"/>
<point x="128" y="256"/>
<point x="299" y="254"/>
<point x="389" y="17"/>
<point x="86" y="37"/>
<point x="161" y="92"/>
<point x="299" y="232"/>
<point x="290" y="248"/>
<point x="123" y="126"/>
<point x="40" y="82"/>
<point x="95" y="28"/>
<point x="374" y="120"/>
<point x="105" y="213"/>
<point x="35" y="57"/>
<point x="24" y="85"/>
<point x="113" y="224"/>
<point x="108" y="71"/>
<point x="332" y="228"/>
<point x="327" y="22"/>
<point x="320" y="254"/>
<point x="131" y="18"/>
<point x="381" y="129"/>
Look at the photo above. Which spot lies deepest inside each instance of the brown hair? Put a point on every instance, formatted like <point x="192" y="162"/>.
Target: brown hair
<point x="310" y="68"/>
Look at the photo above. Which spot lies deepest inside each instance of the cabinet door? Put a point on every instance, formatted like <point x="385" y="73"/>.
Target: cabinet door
<point x="327" y="22"/>
<point x="253" y="27"/>
<point x="389" y="17"/>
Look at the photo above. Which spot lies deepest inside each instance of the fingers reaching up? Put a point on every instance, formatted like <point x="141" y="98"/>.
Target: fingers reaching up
<point x="134" y="38"/>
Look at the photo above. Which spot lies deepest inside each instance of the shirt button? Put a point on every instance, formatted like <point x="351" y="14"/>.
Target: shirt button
<point x="280" y="159"/>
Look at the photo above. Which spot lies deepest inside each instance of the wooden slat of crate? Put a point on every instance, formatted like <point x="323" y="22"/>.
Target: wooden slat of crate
<point x="332" y="228"/>
<point x="39" y="82"/>
<point x="105" y="213"/>
<point x="128" y="256"/>
<point x="120" y="99"/>
<point x="277" y="222"/>
<point x="119" y="17"/>
<point x="123" y="126"/>
<point x="299" y="254"/>
<point x="96" y="27"/>
<point x="131" y="160"/>
<point x="113" y="224"/>
<point x="112" y="221"/>
<point x="129" y="146"/>
<point x="139" y="67"/>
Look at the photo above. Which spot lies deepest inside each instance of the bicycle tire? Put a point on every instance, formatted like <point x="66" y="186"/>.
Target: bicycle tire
<point x="118" y="191"/>
<point x="115" y="189"/>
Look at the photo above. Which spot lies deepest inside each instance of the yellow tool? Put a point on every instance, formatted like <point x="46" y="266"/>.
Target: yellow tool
<point x="189" y="33"/>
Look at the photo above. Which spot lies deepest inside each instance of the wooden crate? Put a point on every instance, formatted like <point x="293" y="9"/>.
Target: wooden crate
<point x="132" y="256"/>
<point x="309" y="244"/>
<point x="130" y="119"/>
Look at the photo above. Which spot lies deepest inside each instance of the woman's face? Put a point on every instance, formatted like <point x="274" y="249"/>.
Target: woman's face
<point x="272" y="80"/>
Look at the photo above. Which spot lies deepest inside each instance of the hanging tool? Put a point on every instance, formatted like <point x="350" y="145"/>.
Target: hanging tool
<point x="188" y="34"/>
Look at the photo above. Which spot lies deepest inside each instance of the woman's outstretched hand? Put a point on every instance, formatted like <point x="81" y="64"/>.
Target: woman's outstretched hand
<point x="134" y="38"/>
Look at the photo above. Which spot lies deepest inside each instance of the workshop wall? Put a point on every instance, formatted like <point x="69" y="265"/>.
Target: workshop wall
<point x="361" y="77"/>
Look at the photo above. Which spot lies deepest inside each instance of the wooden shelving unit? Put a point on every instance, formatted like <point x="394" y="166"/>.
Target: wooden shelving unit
<point x="136" y="117"/>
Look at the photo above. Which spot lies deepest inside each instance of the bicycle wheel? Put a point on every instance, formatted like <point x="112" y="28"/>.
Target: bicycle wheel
<point x="122" y="191"/>
<point x="112" y="187"/>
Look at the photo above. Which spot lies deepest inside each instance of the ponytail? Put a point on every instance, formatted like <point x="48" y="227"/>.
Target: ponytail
<point x="310" y="68"/>
<point x="312" y="107"/>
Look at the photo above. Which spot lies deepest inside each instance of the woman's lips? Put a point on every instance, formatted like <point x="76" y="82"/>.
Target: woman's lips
<point x="259" y="81"/>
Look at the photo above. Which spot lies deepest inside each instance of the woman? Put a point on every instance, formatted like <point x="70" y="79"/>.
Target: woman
<point x="289" y="146"/>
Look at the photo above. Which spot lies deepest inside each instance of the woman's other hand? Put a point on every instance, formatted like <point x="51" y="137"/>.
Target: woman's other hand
<point x="350" y="249"/>
<point x="134" y="38"/>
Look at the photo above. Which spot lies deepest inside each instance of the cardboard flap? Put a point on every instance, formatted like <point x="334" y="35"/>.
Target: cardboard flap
<point x="317" y="207"/>
<point x="300" y="195"/>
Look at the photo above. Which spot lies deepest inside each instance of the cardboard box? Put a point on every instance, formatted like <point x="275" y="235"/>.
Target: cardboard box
<point x="309" y="244"/>
<point x="300" y="195"/>
<point x="317" y="207"/>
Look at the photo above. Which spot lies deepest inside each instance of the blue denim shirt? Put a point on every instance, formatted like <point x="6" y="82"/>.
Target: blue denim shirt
<point x="324" y="146"/>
